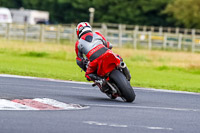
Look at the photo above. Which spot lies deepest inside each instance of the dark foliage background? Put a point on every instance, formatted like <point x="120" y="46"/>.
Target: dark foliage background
<point x="141" y="12"/>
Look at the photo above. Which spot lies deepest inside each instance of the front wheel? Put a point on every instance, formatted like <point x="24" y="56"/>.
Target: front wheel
<point x="127" y="92"/>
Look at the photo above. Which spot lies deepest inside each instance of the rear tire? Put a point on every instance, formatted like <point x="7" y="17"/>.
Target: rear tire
<point x="127" y="92"/>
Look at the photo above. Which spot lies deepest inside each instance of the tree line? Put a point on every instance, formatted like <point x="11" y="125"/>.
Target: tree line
<point x="173" y="13"/>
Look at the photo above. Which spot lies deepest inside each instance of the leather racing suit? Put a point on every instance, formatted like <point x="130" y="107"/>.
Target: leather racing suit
<point x="93" y="46"/>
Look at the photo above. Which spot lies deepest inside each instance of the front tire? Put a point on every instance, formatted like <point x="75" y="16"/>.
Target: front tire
<point x="127" y="92"/>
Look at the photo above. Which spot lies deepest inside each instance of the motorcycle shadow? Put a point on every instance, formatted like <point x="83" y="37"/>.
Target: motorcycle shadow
<point x="94" y="99"/>
<point x="100" y="99"/>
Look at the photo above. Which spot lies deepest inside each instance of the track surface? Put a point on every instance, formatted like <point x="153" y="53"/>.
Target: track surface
<point x="151" y="112"/>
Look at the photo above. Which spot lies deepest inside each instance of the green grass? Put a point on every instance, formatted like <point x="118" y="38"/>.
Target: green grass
<point x="171" y="78"/>
<point x="154" y="69"/>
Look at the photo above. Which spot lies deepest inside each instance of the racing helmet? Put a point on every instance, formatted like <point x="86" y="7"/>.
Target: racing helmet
<point x="82" y="28"/>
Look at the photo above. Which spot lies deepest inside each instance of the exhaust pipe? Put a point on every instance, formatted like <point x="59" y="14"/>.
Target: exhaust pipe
<point x="125" y="71"/>
<point x="122" y="65"/>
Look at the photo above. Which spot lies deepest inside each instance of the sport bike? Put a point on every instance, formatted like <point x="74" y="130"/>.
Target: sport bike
<point x="115" y="78"/>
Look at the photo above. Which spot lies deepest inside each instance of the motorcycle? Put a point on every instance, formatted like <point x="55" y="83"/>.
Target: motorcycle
<point x="115" y="78"/>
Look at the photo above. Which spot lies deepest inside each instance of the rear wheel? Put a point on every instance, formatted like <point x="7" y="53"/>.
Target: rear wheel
<point x="127" y="92"/>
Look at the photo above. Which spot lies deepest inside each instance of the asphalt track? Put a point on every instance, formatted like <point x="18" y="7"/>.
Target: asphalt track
<point x="152" y="112"/>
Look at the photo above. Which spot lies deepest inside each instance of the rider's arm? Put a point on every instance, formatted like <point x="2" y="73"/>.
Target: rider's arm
<point x="105" y="42"/>
<point x="79" y="59"/>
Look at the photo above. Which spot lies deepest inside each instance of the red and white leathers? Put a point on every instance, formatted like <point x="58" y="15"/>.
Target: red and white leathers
<point x="94" y="46"/>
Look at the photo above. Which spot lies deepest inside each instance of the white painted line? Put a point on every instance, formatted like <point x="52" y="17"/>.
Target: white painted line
<point x="16" y="76"/>
<point x="56" y="103"/>
<point x="159" y="128"/>
<point x="104" y="124"/>
<point x="154" y="128"/>
<point x="9" y="105"/>
<point x="145" y="107"/>
<point x="117" y="125"/>
<point x="95" y="123"/>
<point x="124" y="126"/>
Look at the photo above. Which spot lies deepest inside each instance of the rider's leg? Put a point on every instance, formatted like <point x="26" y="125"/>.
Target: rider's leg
<point x="81" y="64"/>
<point x="91" y="71"/>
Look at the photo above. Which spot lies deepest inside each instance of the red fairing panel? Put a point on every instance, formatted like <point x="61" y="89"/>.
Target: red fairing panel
<point x="108" y="63"/>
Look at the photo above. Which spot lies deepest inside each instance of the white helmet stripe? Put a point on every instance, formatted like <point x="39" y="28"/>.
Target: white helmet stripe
<point x="85" y="29"/>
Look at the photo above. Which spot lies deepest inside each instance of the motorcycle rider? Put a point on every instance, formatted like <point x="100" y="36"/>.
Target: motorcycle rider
<point x="90" y="47"/>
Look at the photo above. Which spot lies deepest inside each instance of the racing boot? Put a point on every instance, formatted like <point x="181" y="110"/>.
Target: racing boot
<point x="99" y="80"/>
<point x="94" y="77"/>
